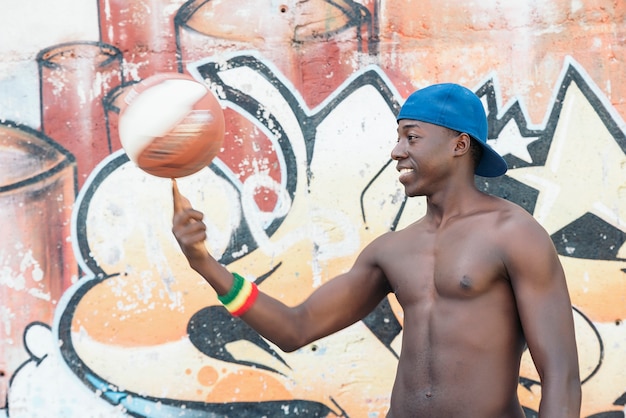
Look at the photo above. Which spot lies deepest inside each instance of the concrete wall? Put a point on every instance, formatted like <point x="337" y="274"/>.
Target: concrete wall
<point x="100" y="315"/>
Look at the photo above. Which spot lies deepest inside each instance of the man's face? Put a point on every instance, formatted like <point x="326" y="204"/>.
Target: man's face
<point x="423" y="154"/>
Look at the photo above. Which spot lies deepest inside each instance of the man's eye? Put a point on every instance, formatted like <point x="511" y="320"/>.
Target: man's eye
<point x="409" y="138"/>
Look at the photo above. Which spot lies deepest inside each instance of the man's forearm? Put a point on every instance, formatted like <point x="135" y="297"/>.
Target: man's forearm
<point x="216" y="275"/>
<point x="561" y="400"/>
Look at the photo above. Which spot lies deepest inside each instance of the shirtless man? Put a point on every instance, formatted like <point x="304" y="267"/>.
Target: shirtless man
<point x="477" y="277"/>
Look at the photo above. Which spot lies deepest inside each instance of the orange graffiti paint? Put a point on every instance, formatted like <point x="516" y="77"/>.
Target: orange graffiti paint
<point x="74" y="79"/>
<point x="143" y="30"/>
<point x="36" y="259"/>
<point x="317" y="44"/>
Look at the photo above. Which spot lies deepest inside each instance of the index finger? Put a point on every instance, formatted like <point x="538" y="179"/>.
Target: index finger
<point x="180" y="202"/>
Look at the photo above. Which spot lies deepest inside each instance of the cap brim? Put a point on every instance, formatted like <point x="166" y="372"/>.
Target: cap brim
<point x="491" y="164"/>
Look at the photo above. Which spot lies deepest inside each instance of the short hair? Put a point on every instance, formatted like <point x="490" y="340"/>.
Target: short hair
<point x="476" y="151"/>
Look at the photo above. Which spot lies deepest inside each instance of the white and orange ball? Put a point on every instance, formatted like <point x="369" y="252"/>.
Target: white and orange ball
<point x="171" y="125"/>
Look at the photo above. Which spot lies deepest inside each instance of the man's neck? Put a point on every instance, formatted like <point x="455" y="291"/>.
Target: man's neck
<point x="452" y="203"/>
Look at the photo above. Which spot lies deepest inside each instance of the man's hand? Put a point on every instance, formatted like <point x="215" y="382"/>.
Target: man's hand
<point x="188" y="228"/>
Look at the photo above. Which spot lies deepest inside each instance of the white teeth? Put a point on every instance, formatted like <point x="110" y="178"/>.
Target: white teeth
<point x="406" y="170"/>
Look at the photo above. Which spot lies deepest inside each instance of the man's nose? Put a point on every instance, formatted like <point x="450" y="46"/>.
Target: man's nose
<point x="399" y="150"/>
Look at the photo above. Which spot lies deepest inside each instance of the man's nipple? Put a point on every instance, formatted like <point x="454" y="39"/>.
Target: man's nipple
<point x="465" y="283"/>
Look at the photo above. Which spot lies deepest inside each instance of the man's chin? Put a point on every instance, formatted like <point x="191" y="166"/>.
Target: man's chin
<point x="408" y="192"/>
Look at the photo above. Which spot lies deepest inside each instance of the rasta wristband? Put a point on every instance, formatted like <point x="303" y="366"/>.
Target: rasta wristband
<point x="240" y="297"/>
<point x="241" y="304"/>
<point x="238" y="283"/>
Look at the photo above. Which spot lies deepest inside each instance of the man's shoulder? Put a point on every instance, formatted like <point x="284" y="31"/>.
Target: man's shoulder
<point x="504" y="217"/>
<point x="398" y="237"/>
<point x="515" y="223"/>
<point x="510" y="210"/>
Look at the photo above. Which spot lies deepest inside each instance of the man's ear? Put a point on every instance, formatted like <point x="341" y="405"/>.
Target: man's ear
<point x="462" y="144"/>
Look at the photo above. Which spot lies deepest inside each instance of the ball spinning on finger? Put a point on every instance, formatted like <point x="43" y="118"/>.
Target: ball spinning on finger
<point x="171" y="125"/>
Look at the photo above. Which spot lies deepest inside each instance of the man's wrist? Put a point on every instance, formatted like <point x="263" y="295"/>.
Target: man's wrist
<point x="201" y="264"/>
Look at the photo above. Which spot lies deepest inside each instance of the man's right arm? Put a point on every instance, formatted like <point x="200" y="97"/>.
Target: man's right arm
<point x="335" y="305"/>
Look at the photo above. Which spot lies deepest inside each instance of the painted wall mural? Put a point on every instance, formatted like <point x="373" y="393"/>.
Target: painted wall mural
<point x="101" y="315"/>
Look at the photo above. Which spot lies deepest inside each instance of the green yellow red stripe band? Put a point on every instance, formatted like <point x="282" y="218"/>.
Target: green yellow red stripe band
<point x="238" y="282"/>
<point x="249" y="301"/>
<point x="240" y="297"/>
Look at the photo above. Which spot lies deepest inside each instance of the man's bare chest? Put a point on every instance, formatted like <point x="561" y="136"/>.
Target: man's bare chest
<point x="449" y="264"/>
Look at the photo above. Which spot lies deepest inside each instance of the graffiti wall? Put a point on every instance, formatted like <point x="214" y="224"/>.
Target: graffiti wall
<point x="101" y="316"/>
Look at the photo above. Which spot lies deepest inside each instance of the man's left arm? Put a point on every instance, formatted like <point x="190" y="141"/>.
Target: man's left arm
<point x="546" y="315"/>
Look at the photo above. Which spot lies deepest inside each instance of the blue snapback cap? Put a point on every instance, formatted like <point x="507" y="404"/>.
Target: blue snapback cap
<point x="457" y="108"/>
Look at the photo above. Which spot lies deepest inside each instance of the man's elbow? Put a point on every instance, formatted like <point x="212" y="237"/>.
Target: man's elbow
<point x="290" y="339"/>
<point x="291" y="344"/>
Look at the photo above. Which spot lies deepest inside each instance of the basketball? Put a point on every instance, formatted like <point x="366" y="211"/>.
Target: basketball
<point x="171" y="125"/>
